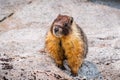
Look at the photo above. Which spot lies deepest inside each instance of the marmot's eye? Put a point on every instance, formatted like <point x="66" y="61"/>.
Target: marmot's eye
<point x="66" y="24"/>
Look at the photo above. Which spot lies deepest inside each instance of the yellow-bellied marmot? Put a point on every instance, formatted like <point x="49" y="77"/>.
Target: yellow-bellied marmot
<point x="66" y="40"/>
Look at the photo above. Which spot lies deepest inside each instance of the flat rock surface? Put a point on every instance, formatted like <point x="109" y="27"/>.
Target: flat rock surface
<point x="23" y="26"/>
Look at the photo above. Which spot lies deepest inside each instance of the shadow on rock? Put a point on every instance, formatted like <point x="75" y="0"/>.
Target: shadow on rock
<point x="88" y="71"/>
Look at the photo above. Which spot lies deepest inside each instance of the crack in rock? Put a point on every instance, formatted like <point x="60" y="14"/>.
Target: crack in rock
<point x="6" y="17"/>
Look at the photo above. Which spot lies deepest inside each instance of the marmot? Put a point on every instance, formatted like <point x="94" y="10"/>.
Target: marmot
<point x="66" y="40"/>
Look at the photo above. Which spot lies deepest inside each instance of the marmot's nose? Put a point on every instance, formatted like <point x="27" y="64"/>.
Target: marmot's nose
<point x="56" y="29"/>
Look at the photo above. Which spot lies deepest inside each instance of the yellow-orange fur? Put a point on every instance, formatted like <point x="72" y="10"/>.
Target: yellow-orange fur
<point x="72" y="49"/>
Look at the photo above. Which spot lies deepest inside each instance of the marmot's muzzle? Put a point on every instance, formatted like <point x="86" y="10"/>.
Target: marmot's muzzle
<point x="57" y="31"/>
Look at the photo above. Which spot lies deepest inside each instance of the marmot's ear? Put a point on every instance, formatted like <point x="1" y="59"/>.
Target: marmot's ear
<point x="59" y="15"/>
<point x="71" y="20"/>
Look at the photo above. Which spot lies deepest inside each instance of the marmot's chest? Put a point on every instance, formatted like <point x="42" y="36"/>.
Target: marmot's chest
<point x="62" y="50"/>
<point x="69" y="44"/>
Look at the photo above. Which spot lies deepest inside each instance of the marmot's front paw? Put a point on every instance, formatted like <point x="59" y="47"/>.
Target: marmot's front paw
<point x="62" y="67"/>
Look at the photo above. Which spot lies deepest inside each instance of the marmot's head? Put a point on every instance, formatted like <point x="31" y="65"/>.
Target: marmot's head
<point x="62" y="25"/>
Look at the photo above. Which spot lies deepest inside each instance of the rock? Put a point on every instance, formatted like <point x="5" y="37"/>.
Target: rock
<point x="23" y="26"/>
<point x="116" y="44"/>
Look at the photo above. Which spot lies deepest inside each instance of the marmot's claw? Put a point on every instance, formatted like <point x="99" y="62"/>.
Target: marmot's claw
<point x="62" y="67"/>
<point x="74" y="75"/>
